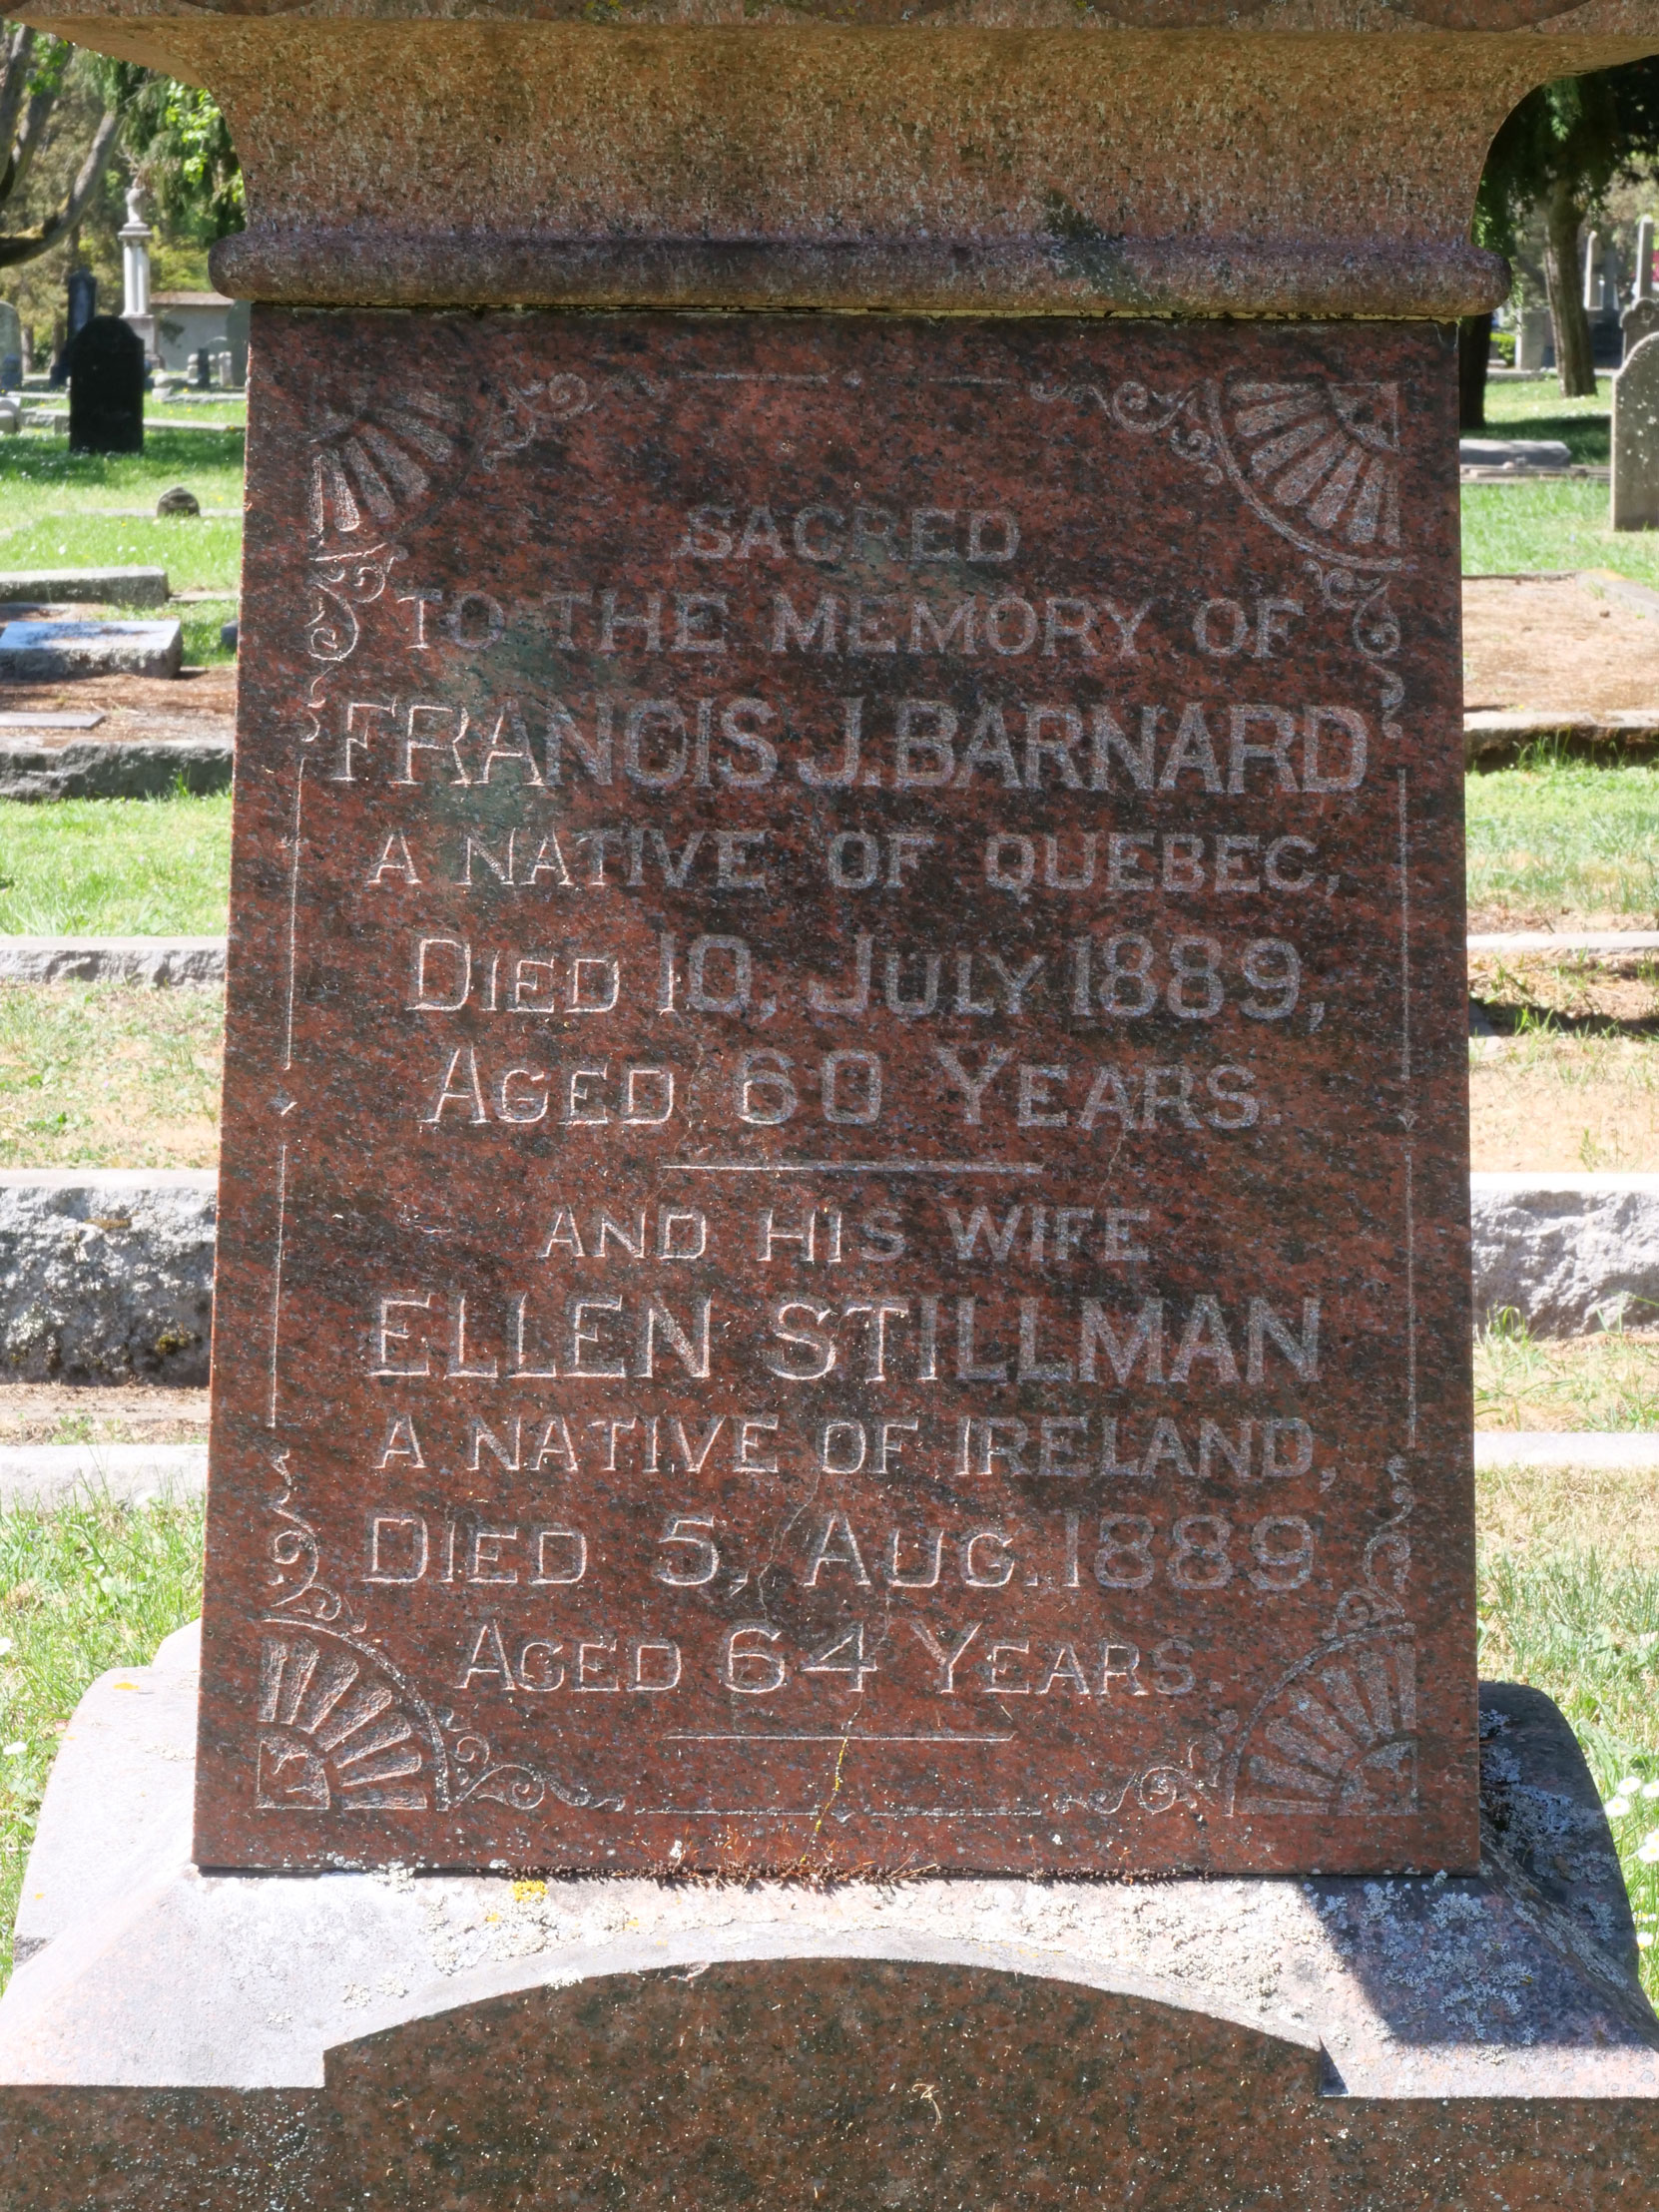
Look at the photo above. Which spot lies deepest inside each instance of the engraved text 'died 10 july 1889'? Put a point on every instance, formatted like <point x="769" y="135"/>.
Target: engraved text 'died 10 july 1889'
<point x="844" y="1220"/>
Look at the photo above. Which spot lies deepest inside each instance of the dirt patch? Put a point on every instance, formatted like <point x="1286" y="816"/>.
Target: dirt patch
<point x="197" y="702"/>
<point x="1609" y="994"/>
<point x="50" y="1413"/>
<point x="1564" y="1104"/>
<point x="1557" y="644"/>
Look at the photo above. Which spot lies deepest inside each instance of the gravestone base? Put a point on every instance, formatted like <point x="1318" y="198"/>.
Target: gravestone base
<point x="183" y="2039"/>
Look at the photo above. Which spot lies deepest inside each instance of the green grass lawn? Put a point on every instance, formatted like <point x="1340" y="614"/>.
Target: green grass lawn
<point x="1550" y="838"/>
<point x="102" y="1075"/>
<point x="71" y="510"/>
<point x="1538" y="411"/>
<point x="40" y="477"/>
<point x="1555" y="838"/>
<point x="82" y="1589"/>
<point x="1606" y="1380"/>
<point x="116" y="868"/>
<point x="1511" y="529"/>
<point x="1582" y="1624"/>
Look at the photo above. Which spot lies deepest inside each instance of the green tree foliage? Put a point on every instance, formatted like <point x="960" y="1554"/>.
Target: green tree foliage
<point x="171" y="134"/>
<point x="1562" y="149"/>
<point x="177" y="140"/>
<point x="36" y="76"/>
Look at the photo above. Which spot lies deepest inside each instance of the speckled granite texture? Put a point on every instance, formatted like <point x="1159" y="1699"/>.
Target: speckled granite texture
<point x="844" y="1210"/>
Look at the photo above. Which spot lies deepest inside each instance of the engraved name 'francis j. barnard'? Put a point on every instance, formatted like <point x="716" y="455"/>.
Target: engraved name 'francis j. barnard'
<point x="837" y="1241"/>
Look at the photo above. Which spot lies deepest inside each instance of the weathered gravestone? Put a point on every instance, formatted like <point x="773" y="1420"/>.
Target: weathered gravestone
<point x="80" y="302"/>
<point x="1635" y="472"/>
<point x="11" y="347"/>
<point x="1534" y="339"/>
<point x="1641" y="318"/>
<point x="104" y="362"/>
<point x="842" y="1241"/>
<point x="237" y="320"/>
<point x="938" y="1309"/>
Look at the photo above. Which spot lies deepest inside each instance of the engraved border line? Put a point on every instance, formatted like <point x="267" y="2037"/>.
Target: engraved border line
<point x="294" y="912"/>
<point x="852" y="1167"/>
<point x="276" y="1278"/>
<point x="1408" y="1115"/>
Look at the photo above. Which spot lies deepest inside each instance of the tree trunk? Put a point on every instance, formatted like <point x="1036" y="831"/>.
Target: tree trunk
<point x="1573" y="362"/>
<point x="1475" y="347"/>
<point x="68" y="217"/>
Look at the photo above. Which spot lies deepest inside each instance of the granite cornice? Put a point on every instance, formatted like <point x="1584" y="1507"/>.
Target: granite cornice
<point x="986" y="158"/>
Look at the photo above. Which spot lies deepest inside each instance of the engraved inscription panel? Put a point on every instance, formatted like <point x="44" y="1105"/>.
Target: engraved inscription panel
<point x="844" y="1226"/>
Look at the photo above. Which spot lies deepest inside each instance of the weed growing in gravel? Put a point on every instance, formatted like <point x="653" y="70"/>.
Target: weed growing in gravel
<point x="82" y="1589"/>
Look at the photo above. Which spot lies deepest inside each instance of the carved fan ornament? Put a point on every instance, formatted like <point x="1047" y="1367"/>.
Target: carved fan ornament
<point x="371" y="468"/>
<point x="341" y="1729"/>
<point x="1336" y="1734"/>
<point x="1316" y="459"/>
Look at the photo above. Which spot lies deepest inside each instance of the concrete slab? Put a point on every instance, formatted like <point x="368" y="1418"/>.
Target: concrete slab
<point x="1566" y="1251"/>
<point x="157" y="962"/>
<point x="1597" y="1449"/>
<point x="1567" y="943"/>
<point x="104" y="587"/>
<point x="134" y="1726"/>
<point x="40" y="650"/>
<point x="52" y="1475"/>
<point x="1513" y="452"/>
<point x="46" y="767"/>
<point x="106" y="1275"/>
<point x="88" y="720"/>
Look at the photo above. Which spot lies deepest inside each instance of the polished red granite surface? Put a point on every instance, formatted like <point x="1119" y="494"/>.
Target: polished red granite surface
<point x="843" y="1228"/>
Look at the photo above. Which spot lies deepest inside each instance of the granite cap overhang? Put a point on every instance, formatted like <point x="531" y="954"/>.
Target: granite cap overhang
<point x="1302" y="157"/>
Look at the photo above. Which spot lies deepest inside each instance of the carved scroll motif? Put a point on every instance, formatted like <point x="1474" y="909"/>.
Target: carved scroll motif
<point x="341" y="1729"/>
<point x="1160" y="1788"/>
<point x="1316" y="460"/>
<point x="525" y="412"/>
<point x="341" y="584"/>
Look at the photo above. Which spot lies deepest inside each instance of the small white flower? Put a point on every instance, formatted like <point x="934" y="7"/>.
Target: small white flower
<point x="1648" y="1853"/>
<point x="15" y="1751"/>
<point x="1644" y="1939"/>
<point x="1650" y="1789"/>
<point x="1616" y="1808"/>
<point x="1630" y="1785"/>
<point x="5" y="1646"/>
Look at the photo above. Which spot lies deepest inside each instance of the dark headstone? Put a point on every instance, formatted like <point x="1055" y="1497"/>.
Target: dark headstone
<point x="81" y="287"/>
<point x="105" y="366"/>
<point x="910" y="1023"/>
<point x="235" y="337"/>
<point x="178" y="500"/>
<point x="202" y="369"/>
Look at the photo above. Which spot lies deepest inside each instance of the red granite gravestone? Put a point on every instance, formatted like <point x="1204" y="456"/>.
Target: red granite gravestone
<point x="843" y="1237"/>
<point x="842" y="1232"/>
